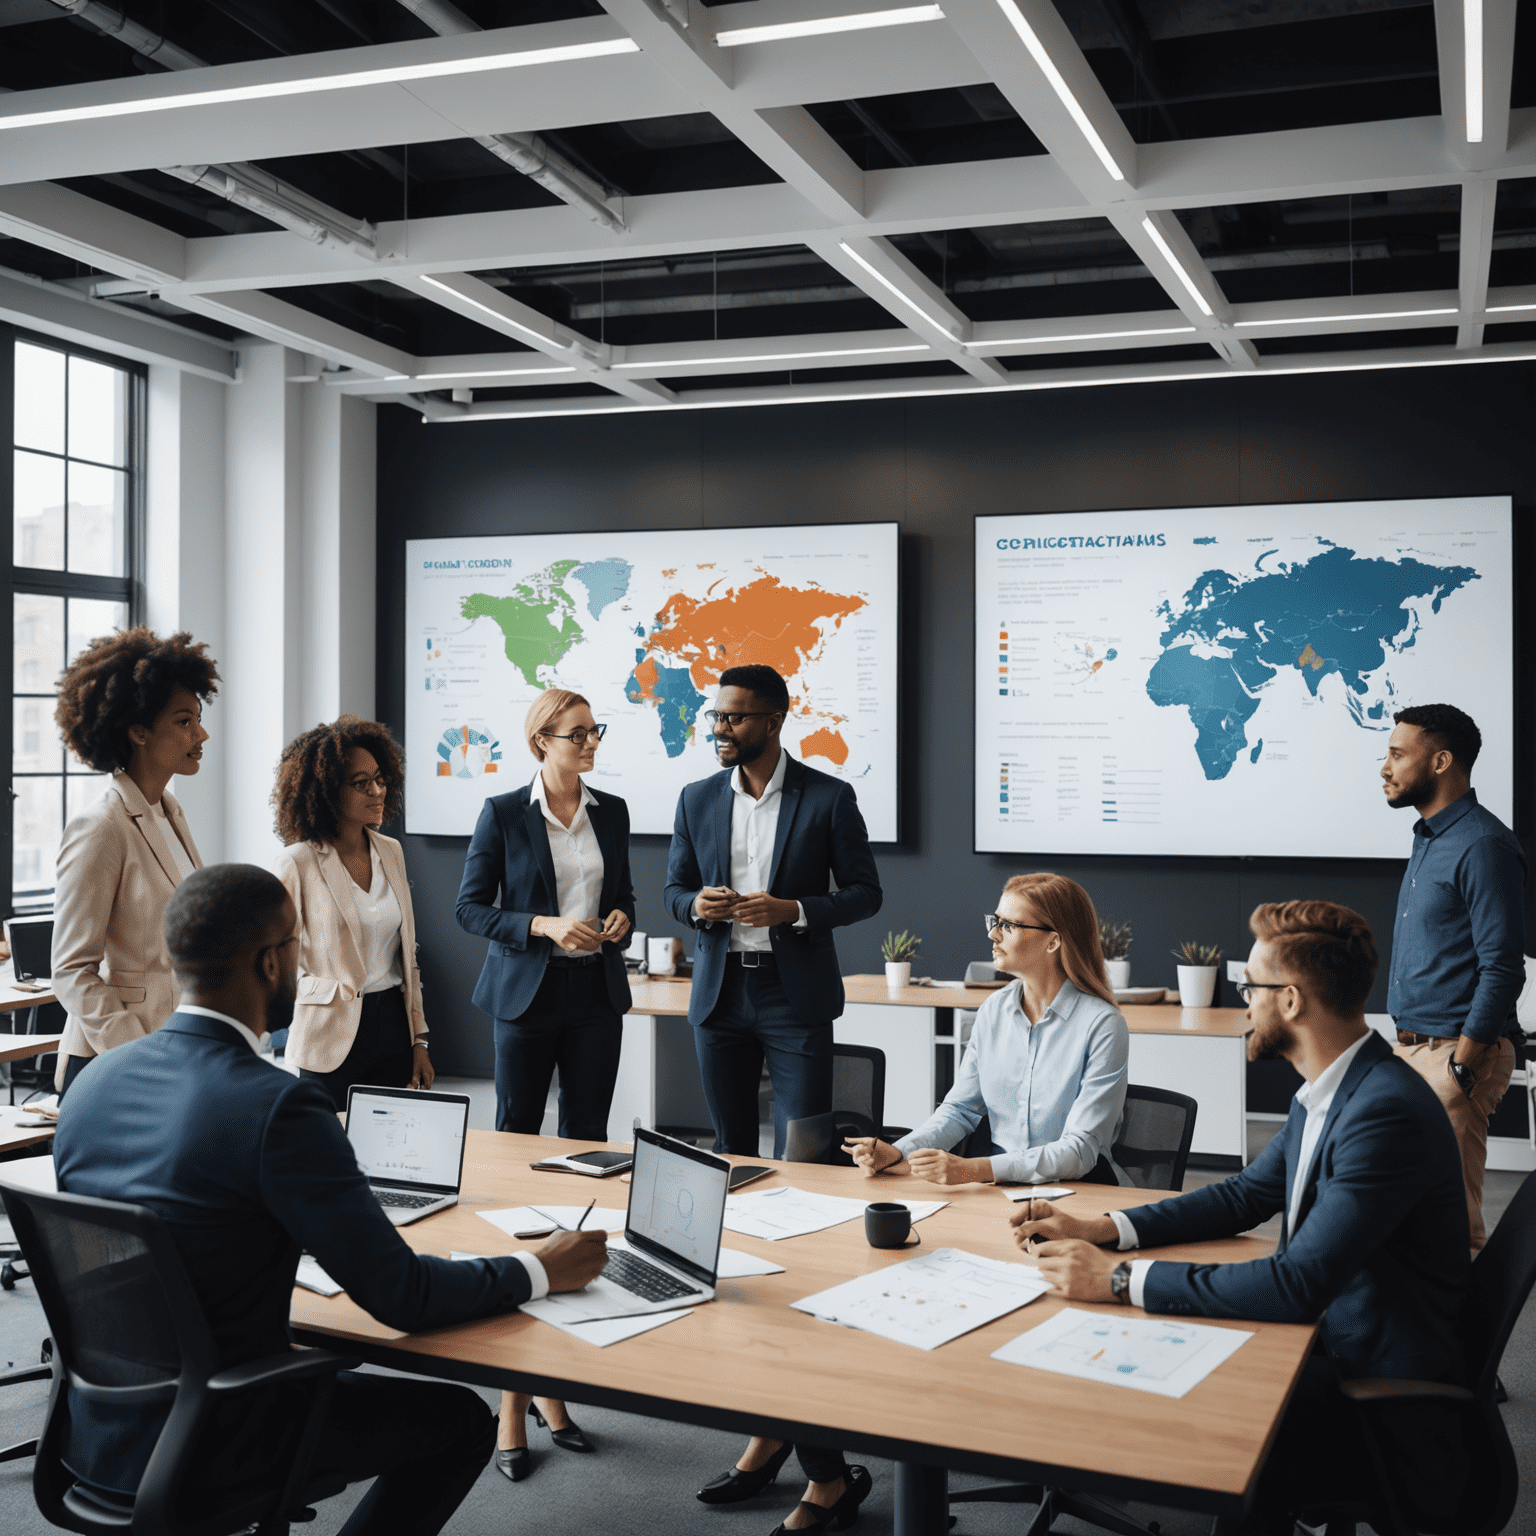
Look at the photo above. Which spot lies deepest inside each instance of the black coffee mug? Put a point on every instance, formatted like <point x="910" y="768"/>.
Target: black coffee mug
<point x="886" y="1225"/>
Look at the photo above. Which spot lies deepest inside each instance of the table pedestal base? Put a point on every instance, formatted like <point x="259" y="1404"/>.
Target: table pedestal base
<point x="922" y="1500"/>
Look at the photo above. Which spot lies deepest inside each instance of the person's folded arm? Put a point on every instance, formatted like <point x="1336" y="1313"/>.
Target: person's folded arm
<point x="858" y="894"/>
<point x="1493" y="884"/>
<point x="684" y="879"/>
<point x="477" y="911"/>
<point x="311" y="1183"/>
<point x="1090" y="1126"/>
<point x="1378" y="1175"/>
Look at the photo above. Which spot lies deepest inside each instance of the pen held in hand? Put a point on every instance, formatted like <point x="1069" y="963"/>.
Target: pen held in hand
<point x="584" y="1216"/>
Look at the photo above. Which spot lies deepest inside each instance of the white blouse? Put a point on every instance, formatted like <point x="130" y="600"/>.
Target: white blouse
<point x="172" y="843"/>
<point x="578" y="859"/>
<point x="378" y="910"/>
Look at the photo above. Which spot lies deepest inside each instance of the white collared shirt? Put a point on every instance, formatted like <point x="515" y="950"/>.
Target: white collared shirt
<point x="577" y="857"/>
<point x="256" y="1042"/>
<point x="1316" y="1098"/>
<point x="754" y="825"/>
<point x="378" y="911"/>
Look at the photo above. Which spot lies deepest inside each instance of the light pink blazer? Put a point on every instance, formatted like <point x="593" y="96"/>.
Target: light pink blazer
<point x="111" y="969"/>
<point x="332" y="971"/>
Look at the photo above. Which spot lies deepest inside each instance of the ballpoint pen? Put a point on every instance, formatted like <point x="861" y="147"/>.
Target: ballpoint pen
<point x="584" y="1215"/>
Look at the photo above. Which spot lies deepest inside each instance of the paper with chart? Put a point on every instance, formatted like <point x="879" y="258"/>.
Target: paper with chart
<point x="778" y="1213"/>
<point x="928" y="1300"/>
<point x="1150" y="1354"/>
<point x="530" y="1218"/>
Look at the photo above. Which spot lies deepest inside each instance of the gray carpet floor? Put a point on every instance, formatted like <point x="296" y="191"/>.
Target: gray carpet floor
<point x="642" y="1479"/>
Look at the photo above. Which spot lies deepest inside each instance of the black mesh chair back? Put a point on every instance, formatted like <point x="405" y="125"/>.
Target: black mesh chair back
<point x="1153" y="1145"/>
<point x="1502" y="1276"/>
<point x="858" y="1082"/>
<point x="129" y="1331"/>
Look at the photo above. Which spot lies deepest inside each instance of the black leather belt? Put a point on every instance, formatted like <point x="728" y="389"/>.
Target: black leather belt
<point x="753" y="959"/>
<point x="575" y="960"/>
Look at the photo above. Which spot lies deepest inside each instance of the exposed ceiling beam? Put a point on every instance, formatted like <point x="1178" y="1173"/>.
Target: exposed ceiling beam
<point x="92" y="233"/>
<point x="1474" y="90"/>
<point x="1478" y="199"/>
<point x="275" y="319"/>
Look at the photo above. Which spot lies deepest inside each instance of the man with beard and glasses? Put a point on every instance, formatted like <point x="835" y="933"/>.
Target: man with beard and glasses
<point x="249" y="1167"/>
<point x="1374" y="1234"/>
<point x="1458" y="942"/>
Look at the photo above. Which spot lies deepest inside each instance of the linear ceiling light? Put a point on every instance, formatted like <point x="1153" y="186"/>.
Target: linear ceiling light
<point x="1507" y="309"/>
<point x="946" y="325"/>
<point x="1053" y="75"/>
<point x="495" y="373"/>
<point x="736" y="37"/>
<point x="495" y="314"/>
<point x="1472" y="57"/>
<point x="1384" y="314"/>
<point x="776" y="357"/>
<point x="1045" y="341"/>
<point x="395" y="75"/>
<point x="1166" y="251"/>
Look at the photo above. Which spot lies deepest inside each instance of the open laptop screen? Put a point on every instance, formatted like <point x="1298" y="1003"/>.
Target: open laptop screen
<point x="405" y="1136"/>
<point x="677" y="1204"/>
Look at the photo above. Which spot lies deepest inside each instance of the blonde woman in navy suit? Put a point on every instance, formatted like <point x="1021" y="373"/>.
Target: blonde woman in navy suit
<point x="557" y="854"/>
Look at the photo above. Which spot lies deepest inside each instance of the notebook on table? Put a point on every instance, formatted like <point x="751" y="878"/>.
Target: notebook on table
<point x="410" y="1146"/>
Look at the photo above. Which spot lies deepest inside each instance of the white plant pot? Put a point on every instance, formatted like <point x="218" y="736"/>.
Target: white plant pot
<point x="898" y="974"/>
<point x="1119" y="973"/>
<point x="1197" y="985"/>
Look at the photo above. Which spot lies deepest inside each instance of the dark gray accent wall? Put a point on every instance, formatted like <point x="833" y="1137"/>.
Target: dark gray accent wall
<point x="933" y="464"/>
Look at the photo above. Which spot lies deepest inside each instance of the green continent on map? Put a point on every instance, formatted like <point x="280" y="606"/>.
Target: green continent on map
<point x="537" y="619"/>
<point x="1336" y="613"/>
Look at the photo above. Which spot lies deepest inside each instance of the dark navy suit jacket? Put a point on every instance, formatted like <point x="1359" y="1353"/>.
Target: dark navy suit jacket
<point x="249" y="1166"/>
<point x="1378" y="1246"/>
<point x="820" y="840"/>
<point x="510" y="852"/>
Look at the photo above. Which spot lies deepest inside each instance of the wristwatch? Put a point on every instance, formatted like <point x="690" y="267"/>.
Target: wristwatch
<point x="1120" y="1283"/>
<point x="1466" y="1078"/>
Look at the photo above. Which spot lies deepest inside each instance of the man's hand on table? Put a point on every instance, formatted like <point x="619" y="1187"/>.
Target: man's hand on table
<point x="1040" y="1220"/>
<point x="875" y="1156"/>
<point x="571" y="1259"/>
<point x="1067" y="1250"/>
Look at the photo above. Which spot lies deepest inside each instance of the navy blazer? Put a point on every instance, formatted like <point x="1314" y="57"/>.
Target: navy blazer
<point x="820" y="840"/>
<point x="249" y="1166"/>
<point x="1379" y="1244"/>
<point x="510" y="853"/>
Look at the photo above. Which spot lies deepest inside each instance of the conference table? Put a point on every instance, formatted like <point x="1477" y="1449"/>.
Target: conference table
<point x="750" y="1364"/>
<point x="1202" y="1052"/>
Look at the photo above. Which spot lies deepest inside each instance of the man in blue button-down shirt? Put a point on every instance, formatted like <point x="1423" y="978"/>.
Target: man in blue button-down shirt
<point x="1458" y="945"/>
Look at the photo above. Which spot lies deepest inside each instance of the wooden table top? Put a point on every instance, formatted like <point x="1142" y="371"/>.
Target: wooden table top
<point x="667" y="996"/>
<point x="14" y="1136"/>
<point x="748" y="1362"/>
<point x="13" y="999"/>
<point x="20" y="1047"/>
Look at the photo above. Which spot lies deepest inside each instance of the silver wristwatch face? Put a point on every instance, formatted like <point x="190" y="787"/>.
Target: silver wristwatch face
<point x="1120" y="1281"/>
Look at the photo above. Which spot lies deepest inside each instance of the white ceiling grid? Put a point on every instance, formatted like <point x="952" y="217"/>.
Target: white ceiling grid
<point x="654" y="58"/>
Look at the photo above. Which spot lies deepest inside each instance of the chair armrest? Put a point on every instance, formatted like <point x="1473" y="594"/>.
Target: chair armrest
<point x="269" y="1370"/>
<point x="1387" y="1389"/>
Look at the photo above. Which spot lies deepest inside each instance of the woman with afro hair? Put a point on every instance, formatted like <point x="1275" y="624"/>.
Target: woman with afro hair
<point x="130" y="704"/>
<point x="358" y="1018"/>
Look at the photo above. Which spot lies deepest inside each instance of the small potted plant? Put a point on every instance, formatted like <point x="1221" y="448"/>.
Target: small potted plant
<point x="899" y="950"/>
<point x="1115" y="940"/>
<point x="1197" y="973"/>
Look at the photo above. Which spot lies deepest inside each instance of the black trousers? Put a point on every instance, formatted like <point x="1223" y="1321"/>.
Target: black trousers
<point x="819" y="1464"/>
<point x="570" y="1024"/>
<point x="381" y="1051"/>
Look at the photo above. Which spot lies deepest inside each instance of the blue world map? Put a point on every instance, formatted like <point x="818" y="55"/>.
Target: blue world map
<point x="1231" y="637"/>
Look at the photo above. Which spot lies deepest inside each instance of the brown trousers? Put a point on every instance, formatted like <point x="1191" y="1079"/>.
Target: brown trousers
<point x="1469" y="1115"/>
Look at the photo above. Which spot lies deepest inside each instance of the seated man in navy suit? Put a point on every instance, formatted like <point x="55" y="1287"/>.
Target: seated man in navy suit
<point x="250" y="1166"/>
<point x="1367" y="1179"/>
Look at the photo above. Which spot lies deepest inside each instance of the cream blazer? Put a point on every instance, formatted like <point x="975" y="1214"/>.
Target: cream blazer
<point x="111" y="969"/>
<point x="332" y="972"/>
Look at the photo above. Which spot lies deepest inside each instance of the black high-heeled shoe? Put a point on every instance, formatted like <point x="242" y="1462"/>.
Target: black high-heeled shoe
<point x="737" y="1485"/>
<point x="514" y="1464"/>
<point x="839" y="1516"/>
<point x="570" y="1438"/>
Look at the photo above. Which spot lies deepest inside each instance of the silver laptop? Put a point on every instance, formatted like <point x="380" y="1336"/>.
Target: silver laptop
<point x="672" y="1235"/>
<point x="410" y="1146"/>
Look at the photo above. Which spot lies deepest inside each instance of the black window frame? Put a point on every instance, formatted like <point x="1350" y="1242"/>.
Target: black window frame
<point x="128" y="588"/>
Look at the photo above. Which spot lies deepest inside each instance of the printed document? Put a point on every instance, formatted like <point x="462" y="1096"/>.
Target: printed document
<point x="1151" y="1354"/>
<point x="930" y="1299"/>
<point x="779" y="1213"/>
<point x="606" y="1331"/>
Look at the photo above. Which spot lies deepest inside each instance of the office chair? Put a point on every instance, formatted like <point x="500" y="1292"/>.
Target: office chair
<point x="128" y="1329"/>
<point x="1152" y="1150"/>
<point x="1502" y="1276"/>
<point x="858" y="1109"/>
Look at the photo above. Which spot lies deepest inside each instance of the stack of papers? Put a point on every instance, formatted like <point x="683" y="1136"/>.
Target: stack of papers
<point x="315" y="1279"/>
<point x="928" y="1300"/>
<point x="531" y="1218"/>
<point x="608" y="1330"/>
<point x="778" y="1213"/>
<point x="1150" y="1354"/>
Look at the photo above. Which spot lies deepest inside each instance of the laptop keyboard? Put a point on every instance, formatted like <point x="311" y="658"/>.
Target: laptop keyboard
<point x="644" y="1280"/>
<point x="404" y="1202"/>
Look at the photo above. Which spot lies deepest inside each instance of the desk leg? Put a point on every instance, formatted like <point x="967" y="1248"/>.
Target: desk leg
<point x="922" y="1500"/>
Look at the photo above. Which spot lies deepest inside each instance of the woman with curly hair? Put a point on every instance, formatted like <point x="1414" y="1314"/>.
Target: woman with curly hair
<point x="358" y="1018"/>
<point x="130" y="704"/>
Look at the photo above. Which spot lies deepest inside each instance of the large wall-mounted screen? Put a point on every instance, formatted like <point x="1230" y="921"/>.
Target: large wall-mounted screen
<point x="1222" y="680"/>
<point x="643" y="624"/>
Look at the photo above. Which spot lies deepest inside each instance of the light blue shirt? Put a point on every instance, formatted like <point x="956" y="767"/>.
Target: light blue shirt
<point x="1053" y="1092"/>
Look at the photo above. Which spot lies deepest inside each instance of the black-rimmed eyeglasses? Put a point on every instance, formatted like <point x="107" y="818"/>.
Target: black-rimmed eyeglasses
<point x="731" y="718"/>
<point x="578" y="737"/>
<point x="1246" y="989"/>
<point x="994" y="923"/>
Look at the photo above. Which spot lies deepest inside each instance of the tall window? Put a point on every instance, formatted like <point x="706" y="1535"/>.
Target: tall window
<point x="76" y="494"/>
